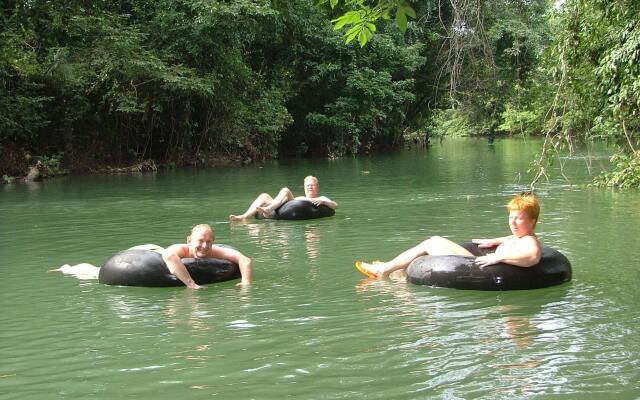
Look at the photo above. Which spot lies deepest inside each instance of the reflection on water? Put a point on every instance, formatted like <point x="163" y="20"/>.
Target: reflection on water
<point x="310" y="326"/>
<point x="312" y="239"/>
<point x="519" y="329"/>
<point x="516" y="342"/>
<point x="277" y="236"/>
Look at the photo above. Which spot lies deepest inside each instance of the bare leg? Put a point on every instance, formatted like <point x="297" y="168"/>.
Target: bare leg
<point x="268" y="210"/>
<point x="435" y="246"/>
<point x="260" y="201"/>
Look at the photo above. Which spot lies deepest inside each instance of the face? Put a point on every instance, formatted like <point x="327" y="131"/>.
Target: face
<point x="311" y="188"/>
<point x="200" y="242"/>
<point x="521" y="224"/>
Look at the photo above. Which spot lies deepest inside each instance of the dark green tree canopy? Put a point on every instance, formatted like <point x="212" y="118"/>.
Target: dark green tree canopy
<point x="182" y="81"/>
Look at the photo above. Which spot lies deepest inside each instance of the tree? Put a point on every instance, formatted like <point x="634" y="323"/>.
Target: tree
<point x="361" y="17"/>
<point x="594" y="62"/>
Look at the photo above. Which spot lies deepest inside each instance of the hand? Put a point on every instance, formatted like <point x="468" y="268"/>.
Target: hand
<point x="316" y="202"/>
<point x="195" y="286"/>
<point x="483" y="243"/>
<point x="489" y="259"/>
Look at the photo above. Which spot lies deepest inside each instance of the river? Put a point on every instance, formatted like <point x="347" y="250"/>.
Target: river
<point x="310" y="326"/>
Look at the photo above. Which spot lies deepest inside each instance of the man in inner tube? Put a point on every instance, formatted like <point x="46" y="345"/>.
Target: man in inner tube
<point x="265" y="206"/>
<point x="522" y="248"/>
<point x="200" y="245"/>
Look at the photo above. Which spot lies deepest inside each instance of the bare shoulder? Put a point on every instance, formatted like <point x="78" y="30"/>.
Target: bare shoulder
<point x="225" y="253"/>
<point x="533" y="239"/>
<point x="530" y="242"/>
<point x="325" y="199"/>
<point x="181" y="250"/>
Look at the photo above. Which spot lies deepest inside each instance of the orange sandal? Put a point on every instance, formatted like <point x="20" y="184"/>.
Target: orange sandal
<point x="360" y="268"/>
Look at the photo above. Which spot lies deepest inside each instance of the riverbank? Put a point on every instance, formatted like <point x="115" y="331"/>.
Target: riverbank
<point x="39" y="168"/>
<point x="623" y="171"/>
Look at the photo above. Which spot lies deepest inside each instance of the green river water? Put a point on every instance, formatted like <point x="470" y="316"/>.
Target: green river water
<point x="310" y="326"/>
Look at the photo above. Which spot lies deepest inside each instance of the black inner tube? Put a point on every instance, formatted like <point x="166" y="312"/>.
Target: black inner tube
<point x="303" y="209"/>
<point x="461" y="272"/>
<point x="147" y="268"/>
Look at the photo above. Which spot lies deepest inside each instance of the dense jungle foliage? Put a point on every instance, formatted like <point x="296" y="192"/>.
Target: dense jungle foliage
<point x="85" y="84"/>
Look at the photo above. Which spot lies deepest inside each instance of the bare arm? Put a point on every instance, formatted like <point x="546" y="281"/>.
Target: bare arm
<point x="245" y="263"/>
<point x="525" y="253"/>
<point x="485" y="243"/>
<point x="172" y="256"/>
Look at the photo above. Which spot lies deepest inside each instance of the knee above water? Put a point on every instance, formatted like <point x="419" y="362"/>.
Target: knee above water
<point x="434" y="239"/>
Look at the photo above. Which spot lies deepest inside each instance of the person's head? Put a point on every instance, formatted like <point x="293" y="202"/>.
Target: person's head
<point x="524" y="210"/>
<point x="311" y="186"/>
<point x="200" y="240"/>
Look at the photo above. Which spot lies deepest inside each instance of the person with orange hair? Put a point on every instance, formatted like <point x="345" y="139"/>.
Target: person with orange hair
<point x="522" y="248"/>
<point x="265" y="206"/>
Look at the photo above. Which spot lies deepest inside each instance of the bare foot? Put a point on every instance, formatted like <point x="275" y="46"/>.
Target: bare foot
<point x="80" y="271"/>
<point x="236" y="217"/>
<point x="373" y="270"/>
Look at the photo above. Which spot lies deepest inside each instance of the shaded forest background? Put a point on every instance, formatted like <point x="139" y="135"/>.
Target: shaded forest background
<point x="89" y="84"/>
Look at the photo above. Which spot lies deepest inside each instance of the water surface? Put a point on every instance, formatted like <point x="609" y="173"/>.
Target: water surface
<point x="310" y="326"/>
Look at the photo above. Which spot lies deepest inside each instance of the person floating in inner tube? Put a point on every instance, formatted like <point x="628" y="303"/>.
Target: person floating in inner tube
<point x="265" y="206"/>
<point x="522" y="248"/>
<point x="200" y="245"/>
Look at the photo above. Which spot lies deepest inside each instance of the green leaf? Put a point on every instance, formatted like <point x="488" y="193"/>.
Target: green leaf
<point x="409" y="11"/>
<point x="401" y="20"/>
<point x="354" y="30"/>
<point x="364" y="36"/>
<point x="363" y="39"/>
<point x="352" y="33"/>
<point x="338" y="25"/>
<point x="349" y="18"/>
<point x="367" y="32"/>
